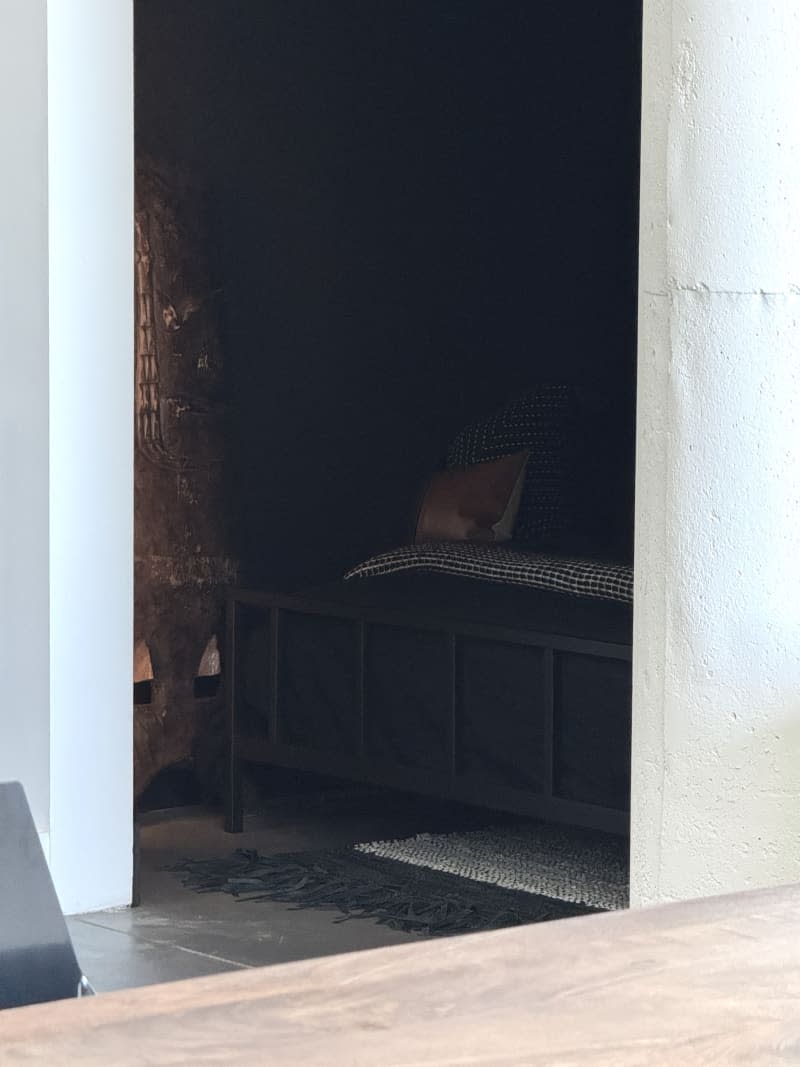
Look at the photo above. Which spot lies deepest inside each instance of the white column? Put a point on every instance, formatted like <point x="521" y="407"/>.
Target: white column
<point x="716" y="731"/>
<point x="24" y="594"/>
<point x="90" y="90"/>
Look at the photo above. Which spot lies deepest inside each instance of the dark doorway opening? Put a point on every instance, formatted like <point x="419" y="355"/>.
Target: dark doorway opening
<point x="413" y="211"/>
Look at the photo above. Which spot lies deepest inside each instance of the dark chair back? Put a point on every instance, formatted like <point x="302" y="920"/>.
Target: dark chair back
<point x="37" y="961"/>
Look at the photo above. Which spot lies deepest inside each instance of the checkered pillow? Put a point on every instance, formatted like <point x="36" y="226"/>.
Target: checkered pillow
<point x="536" y="421"/>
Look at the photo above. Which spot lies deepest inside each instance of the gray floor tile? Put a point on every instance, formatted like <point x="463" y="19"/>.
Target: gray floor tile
<point x="253" y="933"/>
<point x="177" y="933"/>
<point x="112" y="959"/>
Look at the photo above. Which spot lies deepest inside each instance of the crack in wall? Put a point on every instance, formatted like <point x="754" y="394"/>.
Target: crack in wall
<point x="703" y="290"/>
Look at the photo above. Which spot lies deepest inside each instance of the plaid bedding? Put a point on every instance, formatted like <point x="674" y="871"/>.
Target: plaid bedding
<point x="509" y="565"/>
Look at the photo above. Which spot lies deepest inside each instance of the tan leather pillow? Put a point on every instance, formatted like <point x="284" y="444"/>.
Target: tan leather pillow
<point x="475" y="503"/>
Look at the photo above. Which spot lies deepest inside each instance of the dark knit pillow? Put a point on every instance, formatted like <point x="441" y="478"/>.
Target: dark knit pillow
<point x="537" y="422"/>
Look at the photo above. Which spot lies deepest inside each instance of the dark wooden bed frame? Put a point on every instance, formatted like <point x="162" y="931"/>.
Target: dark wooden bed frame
<point x="266" y="737"/>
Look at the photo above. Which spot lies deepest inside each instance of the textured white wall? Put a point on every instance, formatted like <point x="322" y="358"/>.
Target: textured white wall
<point x="24" y="603"/>
<point x="90" y="74"/>
<point x="716" y="735"/>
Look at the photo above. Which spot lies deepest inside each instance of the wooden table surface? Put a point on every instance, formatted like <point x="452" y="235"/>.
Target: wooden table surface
<point x="713" y="982"/>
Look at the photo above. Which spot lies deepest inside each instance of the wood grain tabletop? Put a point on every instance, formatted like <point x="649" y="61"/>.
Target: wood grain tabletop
<point x="713" y="981"/>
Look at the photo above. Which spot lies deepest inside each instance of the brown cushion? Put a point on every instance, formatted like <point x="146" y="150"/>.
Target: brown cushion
<point x="475" y="503"/>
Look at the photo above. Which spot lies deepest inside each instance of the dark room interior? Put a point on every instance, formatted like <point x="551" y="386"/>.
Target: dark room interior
<point x="394" y="219"/>
<point x="421" y="209"/>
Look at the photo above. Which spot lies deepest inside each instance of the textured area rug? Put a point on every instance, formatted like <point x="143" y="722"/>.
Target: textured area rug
<point x="435" y="884"/>
<point x="577" y="866"/>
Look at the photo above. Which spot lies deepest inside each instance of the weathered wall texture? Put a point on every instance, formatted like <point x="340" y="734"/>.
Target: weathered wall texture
<point x="182" y="511"/>
<point x="716" y="741"/>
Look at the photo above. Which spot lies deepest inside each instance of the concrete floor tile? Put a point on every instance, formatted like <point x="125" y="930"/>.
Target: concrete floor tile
<point x="111" y="959"/>
<point x="177" y="933"/>
<point x="251" y="933"/>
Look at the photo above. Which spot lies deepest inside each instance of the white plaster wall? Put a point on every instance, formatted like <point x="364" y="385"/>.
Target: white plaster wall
<point x="24" y="616"/>
<point x="716" y="733"/>
<point x="90" y="70"/>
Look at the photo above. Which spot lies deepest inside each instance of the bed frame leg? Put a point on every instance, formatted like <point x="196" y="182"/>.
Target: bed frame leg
<point x="234" y="814"/>
<point x="234" y="811"/>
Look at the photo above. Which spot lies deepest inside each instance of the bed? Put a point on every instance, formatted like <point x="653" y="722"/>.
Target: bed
<point x="490" y="674"/>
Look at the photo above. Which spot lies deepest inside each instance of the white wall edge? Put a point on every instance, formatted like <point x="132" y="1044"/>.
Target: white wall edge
<point x="24" y="456"/>
<point x="90" y="197"/>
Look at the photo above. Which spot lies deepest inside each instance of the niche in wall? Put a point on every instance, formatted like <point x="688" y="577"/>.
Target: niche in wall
<point x="420" y="209"/>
